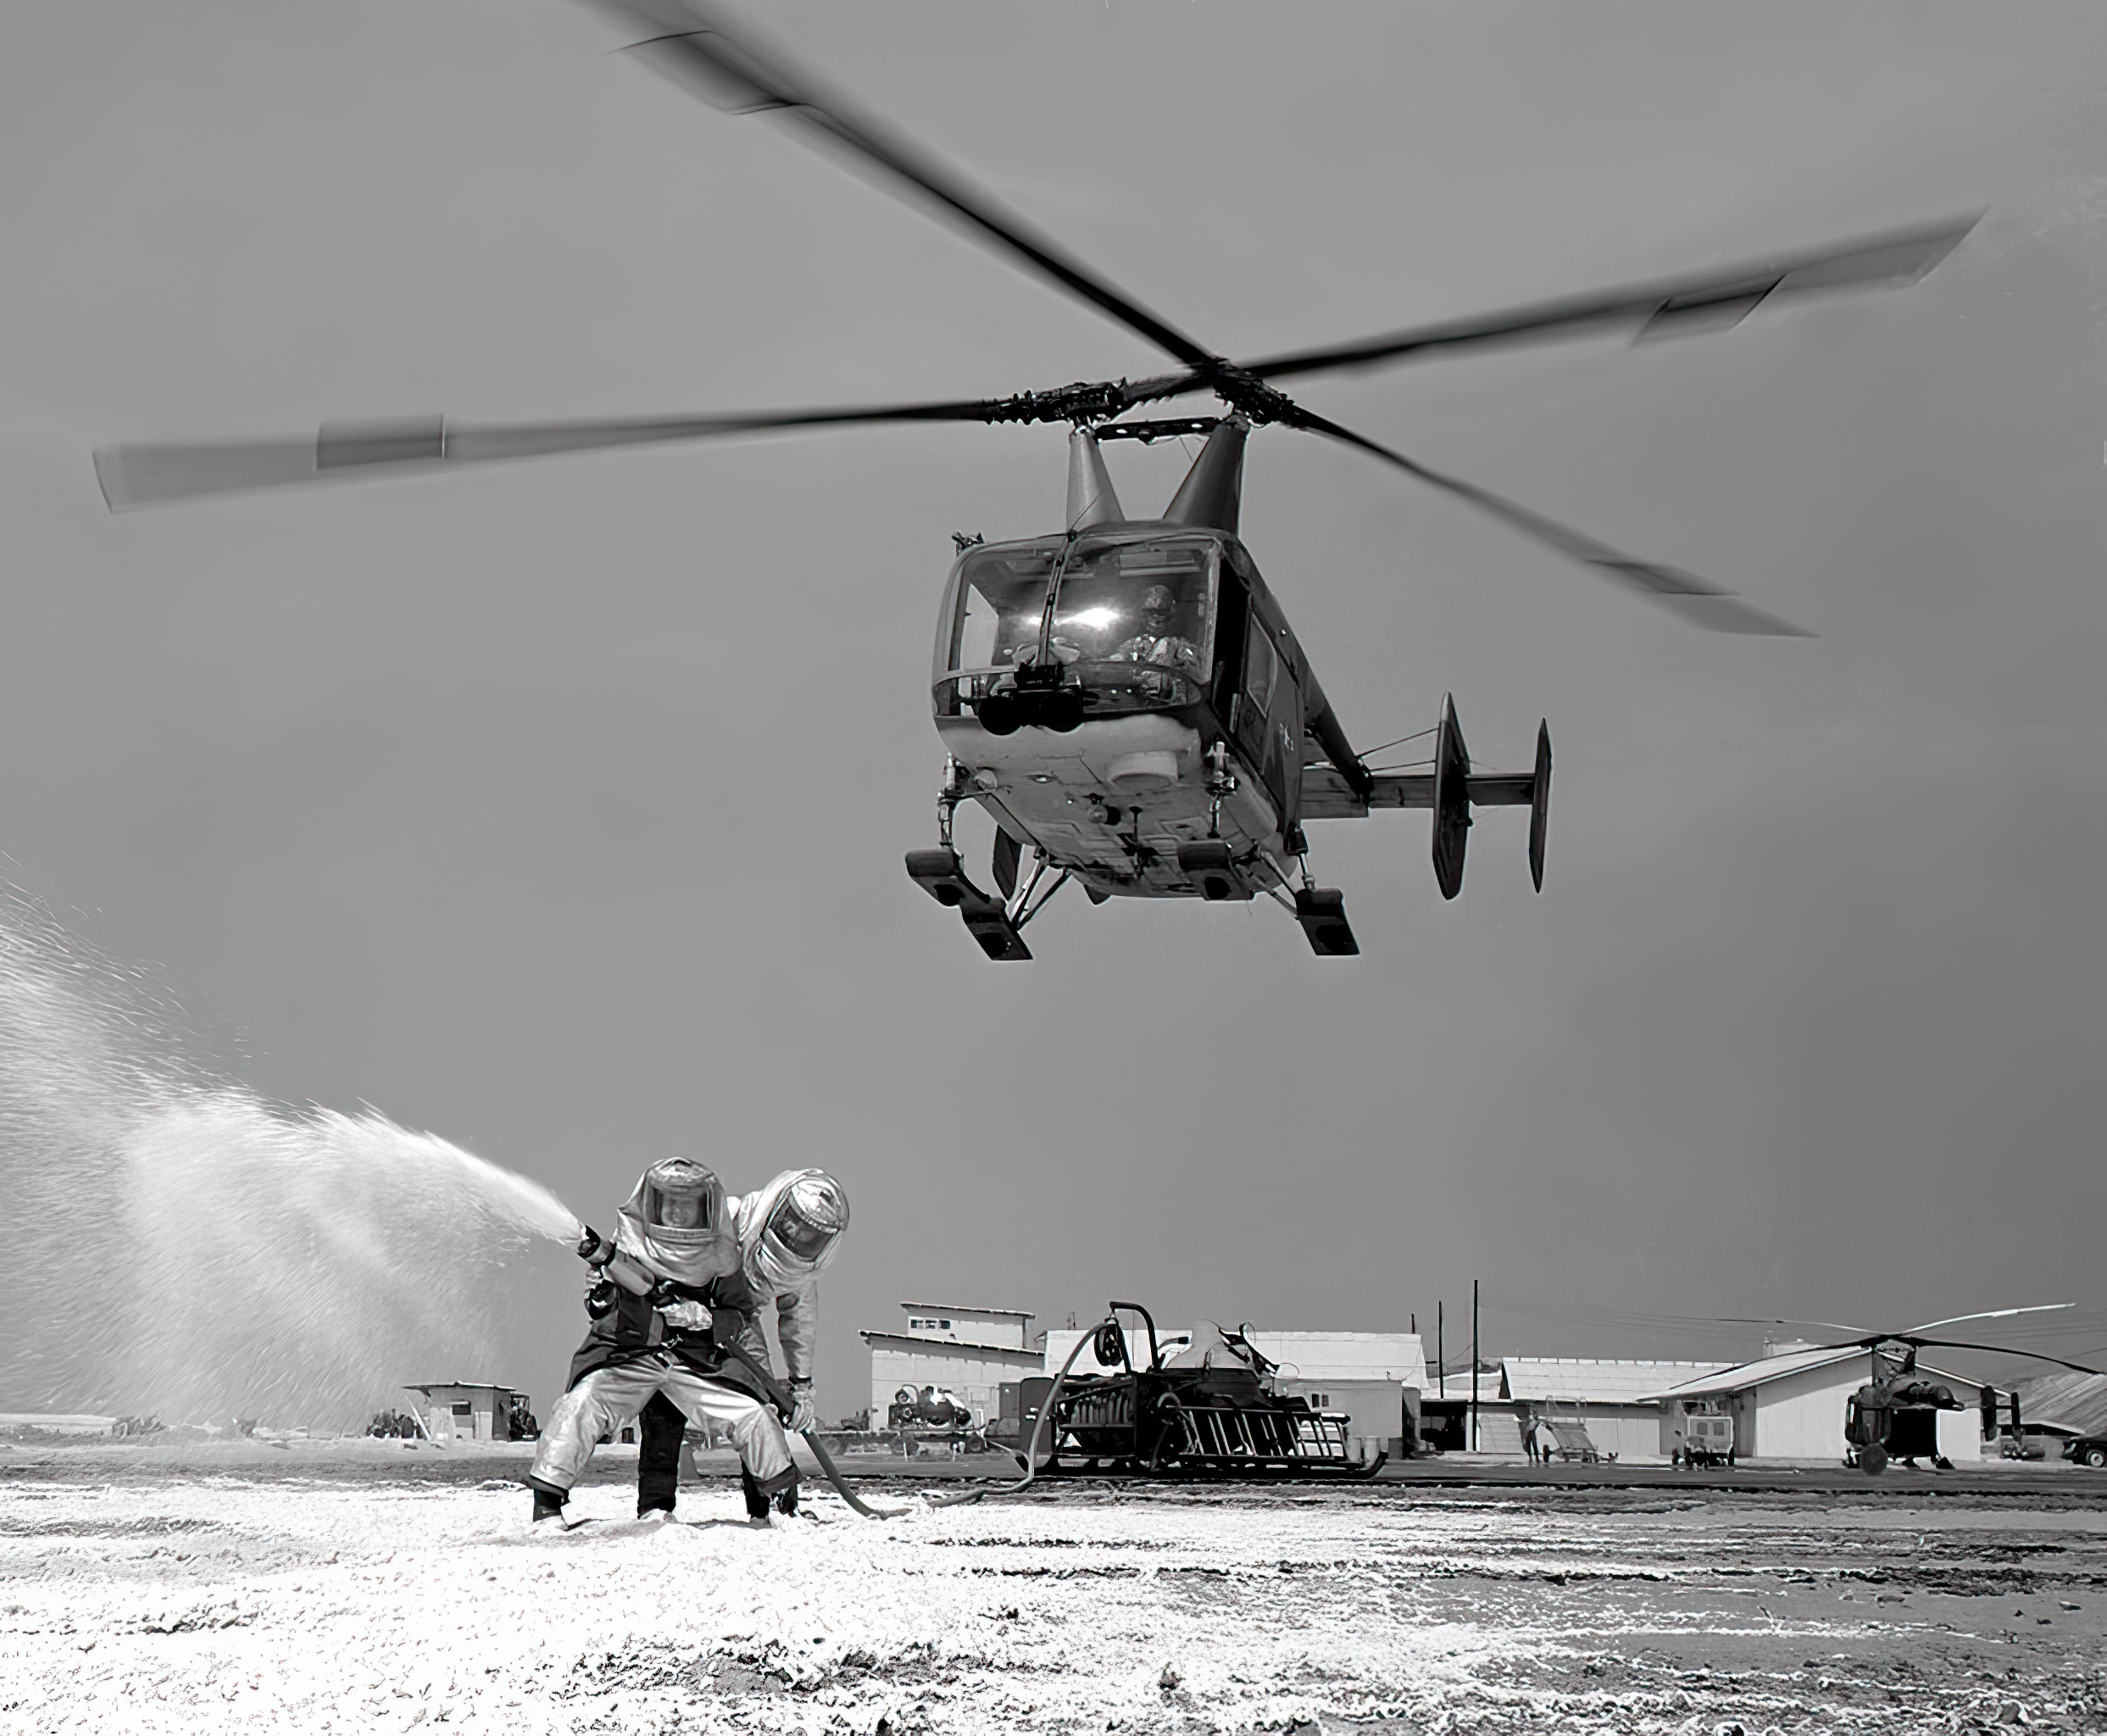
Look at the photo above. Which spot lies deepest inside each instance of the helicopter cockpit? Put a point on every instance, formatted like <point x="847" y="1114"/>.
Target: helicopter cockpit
<point x="1106" y="624"/>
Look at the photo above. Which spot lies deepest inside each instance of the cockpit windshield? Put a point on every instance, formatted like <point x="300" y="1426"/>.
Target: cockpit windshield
<point x="1132" y="622"/>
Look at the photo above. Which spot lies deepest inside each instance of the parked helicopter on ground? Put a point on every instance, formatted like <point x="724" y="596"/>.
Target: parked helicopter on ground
<point x="1894" y="1416"/>
<point x="1124" y="698"/>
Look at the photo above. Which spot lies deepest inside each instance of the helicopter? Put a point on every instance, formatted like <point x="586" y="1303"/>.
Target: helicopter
<point x="1124" y="697"/>
<point x="1894" y="1416"/>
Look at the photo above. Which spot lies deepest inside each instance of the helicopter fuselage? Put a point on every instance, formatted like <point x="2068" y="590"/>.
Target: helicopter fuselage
<point x="1111" y="695"/>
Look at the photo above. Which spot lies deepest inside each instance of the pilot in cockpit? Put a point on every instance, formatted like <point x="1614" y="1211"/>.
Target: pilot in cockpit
<point x="1156" y="645"/>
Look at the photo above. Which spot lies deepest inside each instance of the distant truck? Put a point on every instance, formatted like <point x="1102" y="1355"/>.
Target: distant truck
<point x="2086" y="1449"/>
<point x="1708" y="1439"/>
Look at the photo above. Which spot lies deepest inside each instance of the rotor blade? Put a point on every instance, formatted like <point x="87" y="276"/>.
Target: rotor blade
<point x="1692" y="306"/>
<point x="694" y="44"/>
<point x="151" y="475"/>
<point x="1998" y="1349"/>
<point x="1698" y="601"/>
<point x="1993" y="1314"/>
<point x="1834" y="1326"/>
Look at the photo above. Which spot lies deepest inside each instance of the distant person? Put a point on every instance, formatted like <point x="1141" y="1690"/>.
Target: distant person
<point x="674" y="1236"/>
<point x="787" y="1235"/>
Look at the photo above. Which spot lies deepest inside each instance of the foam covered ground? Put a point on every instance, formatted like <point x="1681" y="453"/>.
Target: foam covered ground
<point x="181" y="1598"/>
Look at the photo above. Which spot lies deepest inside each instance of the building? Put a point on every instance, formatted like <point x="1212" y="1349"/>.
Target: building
<point x="1790" y="1404"/>
<point x="1375" y="1377"/>
<point x="463" y="1410"/>
<point x="55" y="1422"/>
<point x="970" y="1353"/>
<point x="1614" y="1398"/>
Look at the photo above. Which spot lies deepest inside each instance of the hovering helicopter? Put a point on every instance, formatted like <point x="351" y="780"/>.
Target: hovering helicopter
<point x="1125" y="697"/>
<point x="1894" y="1416"/>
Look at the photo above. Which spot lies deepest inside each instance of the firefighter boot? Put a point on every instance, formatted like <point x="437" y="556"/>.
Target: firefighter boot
<point x="548" y="1506"/>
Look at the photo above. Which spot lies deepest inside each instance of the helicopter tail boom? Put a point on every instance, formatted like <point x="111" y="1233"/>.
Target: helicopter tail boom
<point x="1451" y="789"/>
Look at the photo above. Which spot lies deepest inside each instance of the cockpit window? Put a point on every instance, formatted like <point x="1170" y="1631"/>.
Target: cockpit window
<point x="1133" y="621"/>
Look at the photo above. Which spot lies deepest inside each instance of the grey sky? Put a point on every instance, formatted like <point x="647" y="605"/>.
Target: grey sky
<point x="559" y="809"/>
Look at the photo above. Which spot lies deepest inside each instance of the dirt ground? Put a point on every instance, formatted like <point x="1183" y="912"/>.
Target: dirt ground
<point x="352" y="1587"/>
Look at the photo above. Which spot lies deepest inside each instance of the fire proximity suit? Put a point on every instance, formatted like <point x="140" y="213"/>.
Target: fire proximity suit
<point x="673" y="1294"/>
<point x="787" y="1233"/>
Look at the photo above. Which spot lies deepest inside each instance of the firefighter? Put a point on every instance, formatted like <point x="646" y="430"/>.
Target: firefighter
<point x="787" y="1233"/>
<point x="671" y="1294"/>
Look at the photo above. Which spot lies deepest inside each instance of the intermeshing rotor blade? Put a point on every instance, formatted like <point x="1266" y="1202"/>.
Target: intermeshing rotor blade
<point x="1932" y="1326"/>
<point x="153" y="476"/>
<point x="1834" y="1326"/>
<point x="695" y="45"/>
<point x="1698" y="601"/>
<point x="1996" y="1349"/>
<point x="1692" y="306"/>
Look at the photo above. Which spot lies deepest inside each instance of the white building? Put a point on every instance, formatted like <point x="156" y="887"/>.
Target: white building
<point x="1617" y="1398"/>
<point x="1366" y="1375"/>
<point x="466" y="1410"/>
<point x="1791" y="1404"/>
<point x="970" y="1353"/>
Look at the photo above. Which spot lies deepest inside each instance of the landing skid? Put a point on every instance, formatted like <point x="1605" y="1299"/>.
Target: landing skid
<point x="943" y="876"/>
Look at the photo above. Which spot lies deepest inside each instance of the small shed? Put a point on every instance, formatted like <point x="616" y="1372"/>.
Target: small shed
<point x="467" y="1410"/>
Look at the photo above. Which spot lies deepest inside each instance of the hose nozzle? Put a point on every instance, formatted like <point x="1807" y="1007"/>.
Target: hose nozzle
<point x="602" y="1254"/>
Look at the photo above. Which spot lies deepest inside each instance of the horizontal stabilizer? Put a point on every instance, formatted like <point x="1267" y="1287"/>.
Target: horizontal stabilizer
<point x="1328" y="794"/>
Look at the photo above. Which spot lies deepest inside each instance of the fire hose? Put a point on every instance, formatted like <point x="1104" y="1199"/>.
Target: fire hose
<point x="780" y="1401"/>
<point x="1030" y="1454"/>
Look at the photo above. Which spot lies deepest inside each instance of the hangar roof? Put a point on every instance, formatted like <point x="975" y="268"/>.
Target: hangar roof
<point x="1305" y="1357"/>
<point x="2078" y="1402"/>
<point x="1594" y="1380"/>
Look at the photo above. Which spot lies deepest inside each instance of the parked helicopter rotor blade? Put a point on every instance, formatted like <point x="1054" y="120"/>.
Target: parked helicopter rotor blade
<point x="694" y="43"/>
<point x="1696" y="600"/>
<point x="1872" y="1341"/>
<point x="1998" y="1349"/>
<point x="142" y="476"/>
<point x="1834" y="1326"/>
<point x="1690" y="306"/>
<point x="1931" y="1326"/>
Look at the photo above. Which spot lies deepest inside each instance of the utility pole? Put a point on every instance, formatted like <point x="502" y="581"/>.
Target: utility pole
<point x="1441" y="1356"/>
<point x="1474" y="1365"/>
